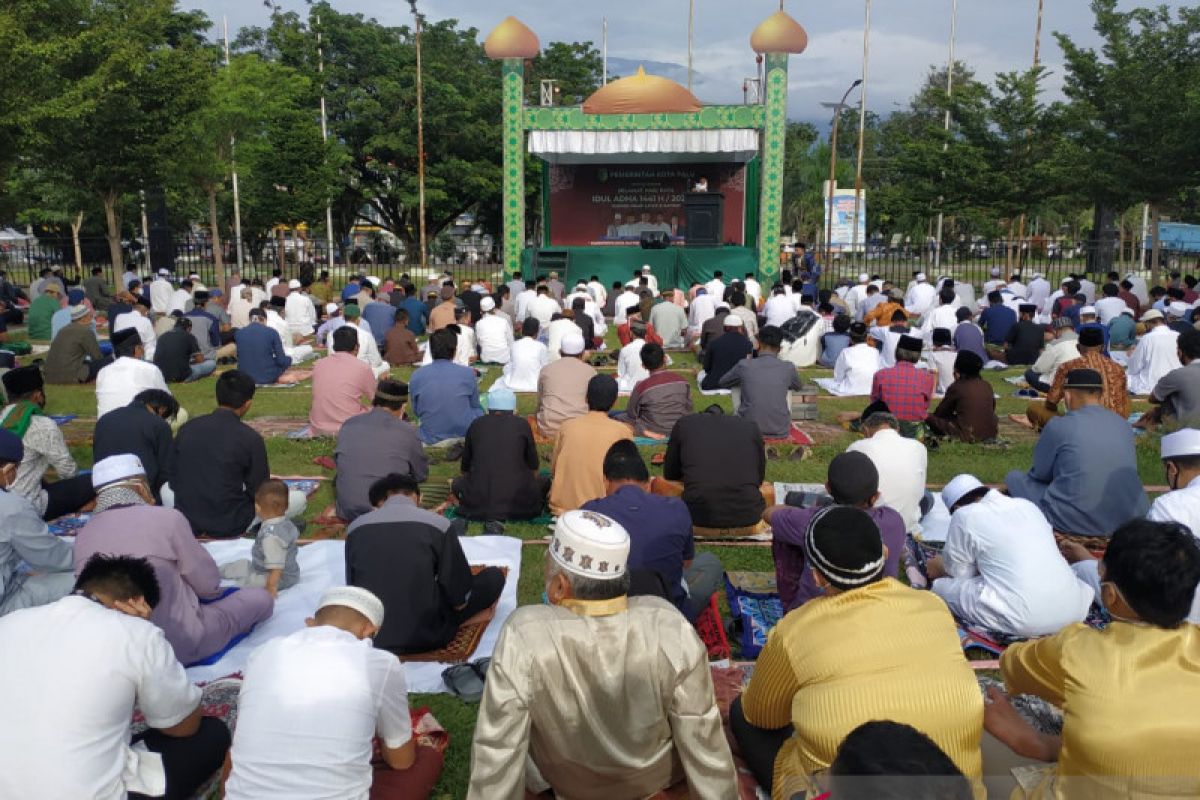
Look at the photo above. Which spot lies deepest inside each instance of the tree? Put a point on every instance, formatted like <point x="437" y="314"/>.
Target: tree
<point x="1135" y="107"/>
<point x="124" y="74"/>
<point x="576" y="66"/>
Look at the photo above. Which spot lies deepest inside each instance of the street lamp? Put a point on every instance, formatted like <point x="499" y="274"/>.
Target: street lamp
<point x="837" y="116"/>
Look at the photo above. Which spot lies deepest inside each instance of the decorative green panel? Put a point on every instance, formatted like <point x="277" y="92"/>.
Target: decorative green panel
<point x="513" y="75"/>
<point x="753" y="197"/>
<point x="773" y="137"/>
<point x="572" y="118"/>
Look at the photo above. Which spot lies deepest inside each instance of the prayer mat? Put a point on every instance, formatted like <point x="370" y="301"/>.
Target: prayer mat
<point x="728" y="684"/>
<point x="1096" y="545"/>
<point x="218" y="698"/>
<point x="759" y="531"/>
<point x="325" y="462"/>
<point x="301" y="483"/>
<point x="69" y="524"/>
<point x="77" y="431"/>
<point x="830" y="386"/>
<point x="980" y="639"/>
<point x="327" y="525"/>
<point x="538" y="438"/>
<point x="18" y="348"/>
<point x="711" y="629"/>
<point x="276" y="426"/>
<point x="292" y="377"/>
<point x="451" y="512"/>
<point x="1043" y="716"/>
<point x="434" y="493"/>
<point x="754" y="602"/>
<point x="648" y="441"/>
<point x="466" y="639"/>
<point x="63" y="419"/>
<point x="795" y="436"/>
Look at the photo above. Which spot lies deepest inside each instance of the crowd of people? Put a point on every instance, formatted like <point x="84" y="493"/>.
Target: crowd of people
<point x="604" y="689"/>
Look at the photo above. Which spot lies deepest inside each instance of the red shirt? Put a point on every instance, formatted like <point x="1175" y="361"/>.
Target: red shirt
<point x="906" y="390"/>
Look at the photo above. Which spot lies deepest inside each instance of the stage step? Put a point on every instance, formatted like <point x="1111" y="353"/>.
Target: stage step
<point x="547" y="261"/>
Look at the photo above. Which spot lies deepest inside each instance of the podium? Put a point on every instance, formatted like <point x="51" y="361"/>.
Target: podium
<point x="704" y="218"/>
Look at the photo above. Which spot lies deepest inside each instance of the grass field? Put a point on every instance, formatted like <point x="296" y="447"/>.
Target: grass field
<point x="291" y="457"/>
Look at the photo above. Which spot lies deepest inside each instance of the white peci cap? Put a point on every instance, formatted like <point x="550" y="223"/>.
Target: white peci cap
<point x="734" y="321"/>
<point x="357" y="599"/>
<point x="863" y="277"/>
<point x="921" y="276"/>
<point x="958" y="488"/>
<point x="293" y="284"/>
<point x="116" y="468"/>
<point x="1087" y="311"/>
<point x="1181" y="444"/>
<point x="590" y="545"/>
<point x="572" y="344"/>
<point x="331" y="307"/>
<point x="487" y="304"/>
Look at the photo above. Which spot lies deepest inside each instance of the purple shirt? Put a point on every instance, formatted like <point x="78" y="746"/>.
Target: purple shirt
<point x="968" y="336"/>
<point x="186" y="575"/>
<point x="794" y="576"/>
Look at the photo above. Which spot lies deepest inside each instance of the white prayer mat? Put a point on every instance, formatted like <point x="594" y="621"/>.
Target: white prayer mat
<point x="936" y="524"/>
<point x="322" y="566"/>
<point x="830" y="385"/>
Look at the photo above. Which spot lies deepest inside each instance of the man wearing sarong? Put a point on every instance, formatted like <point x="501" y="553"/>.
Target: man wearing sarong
<point x="597" y="695"/>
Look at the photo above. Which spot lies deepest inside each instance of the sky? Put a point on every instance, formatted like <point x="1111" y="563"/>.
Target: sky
<point x="907" y="37"/>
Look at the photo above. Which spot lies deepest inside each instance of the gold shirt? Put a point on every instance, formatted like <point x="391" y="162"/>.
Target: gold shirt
<point x="609" y="704"/>
<point x="1130" y="697"/>
<point x="882" y="652"/>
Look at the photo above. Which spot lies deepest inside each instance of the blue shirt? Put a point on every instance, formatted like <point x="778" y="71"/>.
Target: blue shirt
<point x="418" y="314"/>
<point x="967" y="336"/>
<point x="1100" y="328"/>
<point x="660" y="533"/>
<point x="832" y="345"/>
<point x="1122" y="331"/>
<point x="1071" y="312"/>
<point x="214" y="327"/>
<point x="260" y="353"/>
<point x="996" y="322"/>
<point x="381" y="317"/>
<point x="445" y="398"/>
<point x="350" y="290"/>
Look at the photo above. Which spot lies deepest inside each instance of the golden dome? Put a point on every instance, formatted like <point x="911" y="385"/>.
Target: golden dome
<point x="512" y="39"/>
<point x="779" y="33"/>
<point x="641" y="94"/>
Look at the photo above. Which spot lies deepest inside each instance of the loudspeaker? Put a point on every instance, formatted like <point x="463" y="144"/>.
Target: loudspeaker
<point x="704" y="218"/>
<point x="655" y="240"/>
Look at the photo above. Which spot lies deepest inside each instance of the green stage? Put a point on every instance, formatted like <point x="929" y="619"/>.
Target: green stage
<point x="675" y="267"/>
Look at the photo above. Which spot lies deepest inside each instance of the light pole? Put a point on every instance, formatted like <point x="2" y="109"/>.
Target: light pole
<point x="329" y="260"/>
<point x="837" y="115"/>
<point x="420" y="131"/>
<point x="862" y="132"/>
<point x="937" y="250"/>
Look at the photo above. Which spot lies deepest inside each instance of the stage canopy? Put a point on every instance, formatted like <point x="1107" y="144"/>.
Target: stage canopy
<point x="648" y="146"/>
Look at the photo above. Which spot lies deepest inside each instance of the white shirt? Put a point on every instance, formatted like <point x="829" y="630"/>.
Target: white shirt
<point x="943" y="362"/>
<point x="121" y="381"/>
<point x="301" y="314"/>
<point x="522" y="301"/>
<point x="1005" y="571"/>
<point x="525" y="363"/>
<point x="944" y="316"/>
<point x="1109" y="308"/>
<point x="160" y="295"/>
<point x="598" y="292"/>
<point x="753" y="288"/>
<point x="630" y="371"/>
<point x="1048" y="305"/>
<point x="239" y="311"/>
<point x="275" y="320"/>
<point x="902" y="464"/>
<point x="920" y="298"/>
<point x="854" y="297"/>
<point x="1088" y="289"/>
<point x="270" y="284"/>
<point x="495" y="335"/>
<point x="855" y="369"/>
<point x="1182" y="506"/>
<point x="716" y="288"/>
<point x="650" y="279"/>
<point x="621" y="307"/>
<point x="181" y="300"/>
<point x="1155" y="355"/>
<point x="703" y="309"/>
<point x="1018" y="288"/>
<point x="1057" y="353"/>
<point x="1039" y="290"/>
<point x="145" y="329"/>
<point x="368" y="351"/>
<point x="779" y="309"/>
<point x="70" y="673"/>
<point x="310" y="704"/>
<point x="542" y="308"/>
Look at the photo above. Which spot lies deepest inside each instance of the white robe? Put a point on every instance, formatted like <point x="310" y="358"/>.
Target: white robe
<point x="855" y="369"/>
<point x="526" y="359"/>
<point x="920" y="298"/>
<point x="630" y="371"/>
<point x="1156" y="354"/>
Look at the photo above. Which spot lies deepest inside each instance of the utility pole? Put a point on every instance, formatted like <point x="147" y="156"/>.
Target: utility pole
<point x="604" y="50"/>
<point x="862" y="131"/>
<point x="237" y="200"/>
<point x="1037" y="52"/>
<point x="420" y="133"/>
<point x="691" y="37"/>
<point x="832" y="186"/>
<point x="937" y="251"/>
<point x="329" y="259"/>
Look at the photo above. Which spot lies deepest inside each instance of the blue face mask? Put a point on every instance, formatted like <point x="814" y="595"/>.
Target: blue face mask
<point x="545" y="599"/>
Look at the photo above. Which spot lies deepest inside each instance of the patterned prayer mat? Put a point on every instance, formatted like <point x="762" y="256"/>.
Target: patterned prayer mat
<point x="276" y="426"/>
<point x="711" y="630"/>
<point x="69" y="524"/>
<point x="308" y="484"/>
<point x="755" y="605"/>
<point x="466" y="639"/>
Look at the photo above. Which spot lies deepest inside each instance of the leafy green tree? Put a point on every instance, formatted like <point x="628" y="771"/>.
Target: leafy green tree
<point x="1135" y="106"/>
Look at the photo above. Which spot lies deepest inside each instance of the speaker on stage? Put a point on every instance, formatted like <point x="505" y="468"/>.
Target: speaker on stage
<point x="655" y="240"/>
<point x="704" y="218"/>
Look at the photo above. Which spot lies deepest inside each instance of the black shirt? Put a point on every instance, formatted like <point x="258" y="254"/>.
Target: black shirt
<point x="116" y="309"/>
<point x="173" y="354"/>
<point x="1025" y="341"/>
<point x="587" y="326"/>
<point x="134" y="429"/>
<point x="216" y="467"/>
<point x="721" y="461"/>
<point x="722" y="355"/>
<point x="499" y="463"/>
<point x="417" y="570"/>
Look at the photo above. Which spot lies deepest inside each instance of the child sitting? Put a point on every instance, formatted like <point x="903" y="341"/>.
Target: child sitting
<point x="273" y="559"/>
<point x="941" y="358"/>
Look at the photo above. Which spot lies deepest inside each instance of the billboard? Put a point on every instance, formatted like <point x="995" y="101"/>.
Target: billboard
<point x="842" y="237"/>
<point x="613" y="204"/>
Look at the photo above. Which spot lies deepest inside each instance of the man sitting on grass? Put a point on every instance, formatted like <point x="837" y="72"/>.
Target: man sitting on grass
<point x="764" y="383"/>
<point x="578" y="458"/>
<point x="968" y="411"/>
<point x="323" y="747"/>
<point x="658" y="402"/>
<point x="445" y="395"/>
<point x="413" y="561"/>
<point x="96" y="655"/>
<point x="339" y="384"/>
<point x="597" y="694"/>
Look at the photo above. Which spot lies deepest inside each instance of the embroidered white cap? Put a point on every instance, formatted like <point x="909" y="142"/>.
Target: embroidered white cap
<point x="863" y="277"/>
<point x="734" y="321"/>
<point x="164" y="272"/>
<point x="572" y="344"/>
<point x="293" y="284"/>
<point x="1087" y="311"/>
<point x="1152" y="314"/>
<point x="356" y="599"/>
<point x="331" y="307"/>
<point x="1182" y="443"/>
<point x="921" y="277"/>
<point x="1178" y="309"/>
<point x="958" y="488"/>
<point x="590" y="545"/>
<point x="116" y="468"/>
<point x="487" y="304"/>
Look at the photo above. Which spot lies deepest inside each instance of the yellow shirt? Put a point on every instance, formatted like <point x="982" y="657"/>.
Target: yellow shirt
<point x="882" y="652"/>
<point x="1130" y="697"/>
<point x="578" y="459"/>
